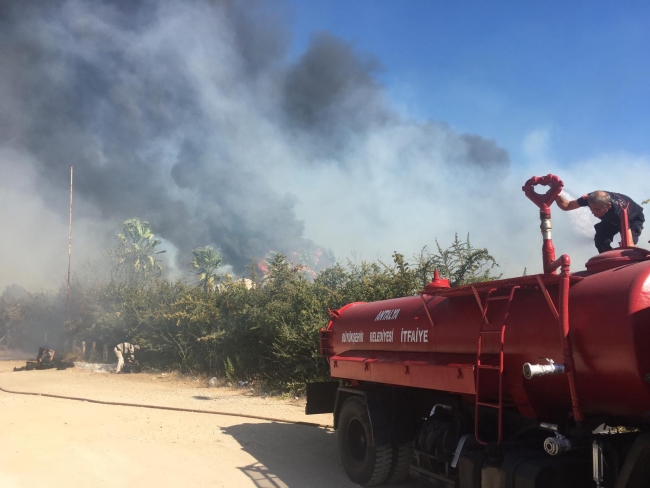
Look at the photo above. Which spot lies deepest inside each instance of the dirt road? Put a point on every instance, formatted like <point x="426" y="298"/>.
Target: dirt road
<point x="80" y="444"/>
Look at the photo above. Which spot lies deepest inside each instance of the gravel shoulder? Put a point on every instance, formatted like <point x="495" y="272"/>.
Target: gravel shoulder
<point x="80" y="444"/>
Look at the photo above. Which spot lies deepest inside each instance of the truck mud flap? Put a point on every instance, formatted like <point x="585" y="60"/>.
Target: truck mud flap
<point x="321" y="397"/>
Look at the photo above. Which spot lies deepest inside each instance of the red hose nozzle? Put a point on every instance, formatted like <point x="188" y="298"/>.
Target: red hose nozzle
<point x="543" y="201"/>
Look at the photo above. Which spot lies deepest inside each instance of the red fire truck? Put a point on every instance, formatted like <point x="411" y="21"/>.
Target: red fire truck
<point x="539" y="381"/>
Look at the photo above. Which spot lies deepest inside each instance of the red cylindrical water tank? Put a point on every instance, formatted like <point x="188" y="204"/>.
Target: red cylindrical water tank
<point x="397" y="342"/>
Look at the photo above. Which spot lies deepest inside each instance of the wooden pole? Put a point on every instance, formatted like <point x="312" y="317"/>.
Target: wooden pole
<point x="67" y="300"/>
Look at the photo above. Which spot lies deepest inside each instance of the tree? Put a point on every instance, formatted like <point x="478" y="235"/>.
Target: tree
<point x="205" y="263"/>
<point x="134" y="254"/>
<point x="461" y="263"/>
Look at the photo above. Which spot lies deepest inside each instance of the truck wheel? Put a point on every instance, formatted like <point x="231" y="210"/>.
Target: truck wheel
<point x="365" y="463"/>
<point x="403" y="454"/>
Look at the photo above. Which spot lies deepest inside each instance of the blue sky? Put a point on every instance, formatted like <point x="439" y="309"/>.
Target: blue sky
<point x="578" y="70"/>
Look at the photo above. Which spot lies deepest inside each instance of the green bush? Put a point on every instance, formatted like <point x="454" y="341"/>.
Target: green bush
<point x="268" y="332"/>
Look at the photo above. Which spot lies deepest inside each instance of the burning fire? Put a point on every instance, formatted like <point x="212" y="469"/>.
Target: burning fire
<point x="261" y="265"/>
<point x="307" y="261"/>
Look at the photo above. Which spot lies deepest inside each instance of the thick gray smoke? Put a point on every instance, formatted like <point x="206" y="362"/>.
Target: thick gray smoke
<point x="190" y="115"/>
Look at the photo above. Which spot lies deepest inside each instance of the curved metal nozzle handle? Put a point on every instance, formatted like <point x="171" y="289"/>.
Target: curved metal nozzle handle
<point x="543" y="201"/>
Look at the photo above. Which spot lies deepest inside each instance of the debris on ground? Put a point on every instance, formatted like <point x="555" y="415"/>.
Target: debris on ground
<point x="96" y="367"/>
<point x="56" y="364"/>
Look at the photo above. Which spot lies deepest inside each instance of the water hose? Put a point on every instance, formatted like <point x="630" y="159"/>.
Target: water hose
<point x="174" y="409"/>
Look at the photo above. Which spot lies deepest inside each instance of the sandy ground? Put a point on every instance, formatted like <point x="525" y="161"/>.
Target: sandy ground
<point x="80" y="444"/>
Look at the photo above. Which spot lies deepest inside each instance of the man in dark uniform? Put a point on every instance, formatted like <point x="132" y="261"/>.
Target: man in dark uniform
<point x="45" y="356"/>
<point x="607" y="206"/>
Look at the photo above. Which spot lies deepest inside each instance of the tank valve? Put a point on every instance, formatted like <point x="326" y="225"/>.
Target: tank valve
<point x="557" y="445"/>
<point x="532" y="370"/>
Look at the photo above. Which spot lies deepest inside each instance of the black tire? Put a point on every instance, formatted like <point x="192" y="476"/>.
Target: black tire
<point x="402" y="459"/>
<point x="365" y="463"/>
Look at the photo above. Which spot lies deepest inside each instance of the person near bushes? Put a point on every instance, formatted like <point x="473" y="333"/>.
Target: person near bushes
<point x="125" y="350"/>
<point x="45" y="355"/>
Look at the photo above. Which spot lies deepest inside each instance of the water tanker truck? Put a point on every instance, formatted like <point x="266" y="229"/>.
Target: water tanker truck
<point x="539" y="381"/>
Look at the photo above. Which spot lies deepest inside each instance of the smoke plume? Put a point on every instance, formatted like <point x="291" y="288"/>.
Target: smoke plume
<point x="191" y="115"/>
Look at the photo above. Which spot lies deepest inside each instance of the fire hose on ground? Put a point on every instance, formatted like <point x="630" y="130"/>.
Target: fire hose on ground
<point x="174" y="409"/>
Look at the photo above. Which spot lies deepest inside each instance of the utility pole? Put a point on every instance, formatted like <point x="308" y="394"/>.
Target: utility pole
<point x="67" y="302"/>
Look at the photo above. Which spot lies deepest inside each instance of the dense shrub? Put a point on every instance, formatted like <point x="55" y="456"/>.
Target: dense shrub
<point x="266" y="332"/>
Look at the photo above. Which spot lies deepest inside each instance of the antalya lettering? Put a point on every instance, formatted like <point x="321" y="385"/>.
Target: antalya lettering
<point x="387" y="314"/>
<point x="352" y="337"/>
<point x="416" y="335"/>
<point x="382" y="336"/>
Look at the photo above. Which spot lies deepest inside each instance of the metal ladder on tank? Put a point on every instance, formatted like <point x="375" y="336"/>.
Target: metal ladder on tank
<point x="501" y="331"/>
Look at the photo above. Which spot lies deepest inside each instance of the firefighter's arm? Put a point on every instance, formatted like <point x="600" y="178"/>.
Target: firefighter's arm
<point x="565" y="204"/>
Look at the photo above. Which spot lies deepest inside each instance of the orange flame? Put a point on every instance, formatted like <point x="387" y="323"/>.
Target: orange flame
<point x="261" y="265"/>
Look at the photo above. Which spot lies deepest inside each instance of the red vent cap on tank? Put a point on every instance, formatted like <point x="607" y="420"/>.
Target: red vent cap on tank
<point x="616" y="257"/>
<point x="437" y="283"/>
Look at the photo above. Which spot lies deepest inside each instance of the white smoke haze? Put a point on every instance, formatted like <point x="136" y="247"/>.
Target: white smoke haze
<point x="191" y="116"/>
<point x="15" y="355"/>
